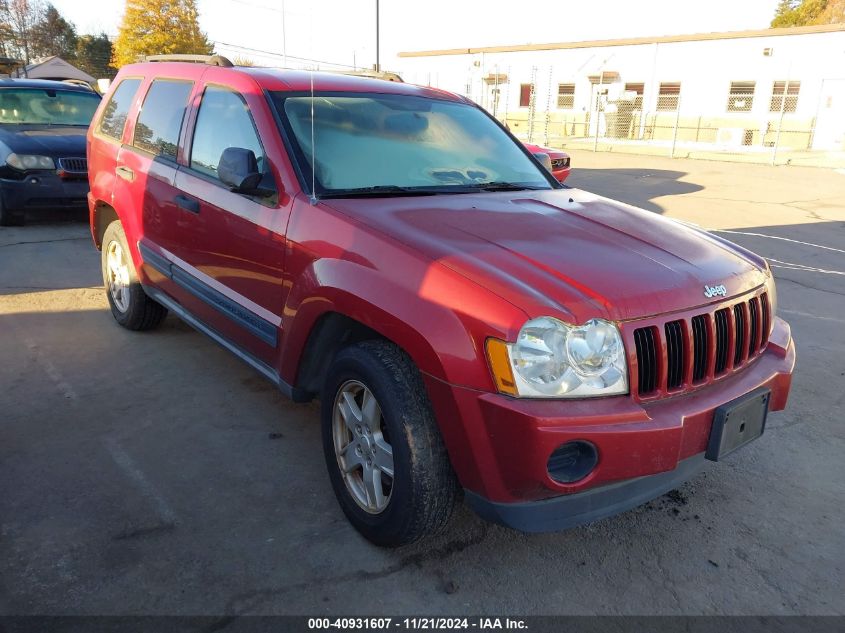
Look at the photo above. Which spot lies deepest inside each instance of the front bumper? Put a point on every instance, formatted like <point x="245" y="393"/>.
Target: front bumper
<point x="501" y="448"/>
<point x="561" y="174"/>
<point x="568" y="511"/>
<point x="43" y="190"/>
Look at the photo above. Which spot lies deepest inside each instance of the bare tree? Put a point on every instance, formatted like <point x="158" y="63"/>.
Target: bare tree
<point x="19" y="19"/>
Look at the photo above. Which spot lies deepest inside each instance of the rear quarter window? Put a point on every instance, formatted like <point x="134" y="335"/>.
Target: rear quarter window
<point x="117" y="109"/>
<point x="160" y="121"/>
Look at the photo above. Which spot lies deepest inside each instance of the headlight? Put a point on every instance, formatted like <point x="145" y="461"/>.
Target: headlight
<point x="551" y="359"/>
<point x="772" y="291"/>
<point x="29" y="161"/>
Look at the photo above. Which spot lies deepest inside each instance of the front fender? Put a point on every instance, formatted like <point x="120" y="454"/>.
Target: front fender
<point x="441" y="321"/>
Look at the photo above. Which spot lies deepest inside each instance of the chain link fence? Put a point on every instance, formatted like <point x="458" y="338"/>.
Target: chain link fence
<point x="761" y="121"/>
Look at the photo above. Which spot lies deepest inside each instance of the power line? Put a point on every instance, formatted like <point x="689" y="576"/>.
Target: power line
<point x="289" y="56"/>
<point x="267" y="8"/>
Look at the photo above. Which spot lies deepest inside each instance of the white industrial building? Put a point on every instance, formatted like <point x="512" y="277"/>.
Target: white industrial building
<point x="743" y="89"/>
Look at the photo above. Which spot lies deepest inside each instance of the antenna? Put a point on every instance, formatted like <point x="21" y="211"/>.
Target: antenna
<point x="313" y="146"/>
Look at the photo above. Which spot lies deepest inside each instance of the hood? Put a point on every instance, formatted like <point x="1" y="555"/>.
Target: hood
<point x="566" y="253"/>
<point x="45" y="140"/>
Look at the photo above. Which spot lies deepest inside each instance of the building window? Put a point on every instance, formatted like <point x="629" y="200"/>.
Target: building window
<point x="638" y="90"/>
<point x="741" y="96"/>
<point x="605" y="77"/>
<point x="566" y="96"/>
<point x="525" y="92"/>
<point x="669" y="95"/>
<point x="785" y="96"/>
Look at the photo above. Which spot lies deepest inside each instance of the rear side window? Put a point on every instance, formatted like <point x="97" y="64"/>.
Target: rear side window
<point x="117" y="109"/>
<point x="223" y="121"/>
<point x="160" y="120"/>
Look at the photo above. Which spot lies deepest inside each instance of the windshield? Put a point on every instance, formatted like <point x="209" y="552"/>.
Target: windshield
<point x="393" y="144"/>
<point x="47" y="106"/>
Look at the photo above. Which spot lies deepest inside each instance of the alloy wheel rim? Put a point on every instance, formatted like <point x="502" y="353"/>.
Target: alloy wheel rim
<point x="117" y="276"/>
<point x="362" y="447"/>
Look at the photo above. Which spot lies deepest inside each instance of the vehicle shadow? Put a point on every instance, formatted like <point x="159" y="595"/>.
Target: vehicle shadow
<point x="638" y="187"/>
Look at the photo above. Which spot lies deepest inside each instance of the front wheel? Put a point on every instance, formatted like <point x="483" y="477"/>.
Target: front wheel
<point x="386" y="459"/>
<point x="130" y="305"/>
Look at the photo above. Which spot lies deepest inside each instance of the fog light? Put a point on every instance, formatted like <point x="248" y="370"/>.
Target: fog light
<point x="572" y="461"/>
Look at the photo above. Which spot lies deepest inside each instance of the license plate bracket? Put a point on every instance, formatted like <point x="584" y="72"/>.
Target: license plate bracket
<point x="737" y="423"/>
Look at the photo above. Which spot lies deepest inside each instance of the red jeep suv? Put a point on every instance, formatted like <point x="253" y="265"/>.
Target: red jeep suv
<point x="467" y="322"/>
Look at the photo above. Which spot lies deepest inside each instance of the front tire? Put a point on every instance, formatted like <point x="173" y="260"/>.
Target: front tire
<point x="130" y="305"/>
<point x="385" y="457"/>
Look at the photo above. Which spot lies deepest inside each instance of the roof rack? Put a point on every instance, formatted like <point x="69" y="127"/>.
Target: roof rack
<point x="372" y="74"/>
<point x="211" y="60"/>
<point x="78" y="82"/>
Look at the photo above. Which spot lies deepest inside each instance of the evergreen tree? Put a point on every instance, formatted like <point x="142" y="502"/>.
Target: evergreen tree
<point x="93" y="56"/>
<point x="53" y="35"/>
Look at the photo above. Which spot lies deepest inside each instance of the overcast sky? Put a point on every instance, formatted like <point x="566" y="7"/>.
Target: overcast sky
<point x="343" y="31"/>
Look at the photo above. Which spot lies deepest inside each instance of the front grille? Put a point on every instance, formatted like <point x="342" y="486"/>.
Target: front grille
<point x="647" y="355"/>
<point x="754" y="316"/>
<point x="700" y="344"/>
<point x="74" y="165"/>
<point x="739" y="346"/>
<point x="675" y="357"/>
<point x="722" y="340"/>
<point x="764" y="305"/>
<point x="719" y="341"/>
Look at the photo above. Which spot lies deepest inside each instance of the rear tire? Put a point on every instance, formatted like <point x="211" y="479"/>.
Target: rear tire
<point x="374" y="410"/>
<point x="130" y="305"/>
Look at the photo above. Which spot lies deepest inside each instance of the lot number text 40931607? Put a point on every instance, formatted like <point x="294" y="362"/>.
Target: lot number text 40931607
<point x="415" y="624"/>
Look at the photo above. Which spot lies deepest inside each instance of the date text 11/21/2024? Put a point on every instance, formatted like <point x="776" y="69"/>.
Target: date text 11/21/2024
<point x="418" y="623"/>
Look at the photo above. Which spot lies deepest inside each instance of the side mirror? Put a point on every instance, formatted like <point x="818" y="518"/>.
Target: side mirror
<point x="544" y="160"/>
<point x="238" y="169"/>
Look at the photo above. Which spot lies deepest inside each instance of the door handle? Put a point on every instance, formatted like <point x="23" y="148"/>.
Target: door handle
<point x="126" y="173"/>
<point x="189" y="204"/>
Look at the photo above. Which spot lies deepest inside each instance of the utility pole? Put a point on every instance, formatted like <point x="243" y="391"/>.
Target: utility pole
<point x="783" y="98"/>
<point x="284" y="39"/>
<point x="378" y="65"/>
<point x="598" y="102"/>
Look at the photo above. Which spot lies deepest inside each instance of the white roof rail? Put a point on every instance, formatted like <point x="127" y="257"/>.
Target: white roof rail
<point x="211" y="60"/>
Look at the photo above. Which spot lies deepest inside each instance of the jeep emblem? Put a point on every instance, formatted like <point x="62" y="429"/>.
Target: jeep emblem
<point x="715" y="291"/>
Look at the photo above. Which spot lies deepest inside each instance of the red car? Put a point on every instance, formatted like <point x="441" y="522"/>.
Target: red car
<point x="466" y="322"/>
<point x="561" y="164"/>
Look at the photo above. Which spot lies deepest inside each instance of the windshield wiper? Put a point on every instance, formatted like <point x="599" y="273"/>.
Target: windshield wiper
<point x="501" y="185"/>
<point x="396" y="190"/>
<point x="377" y="191"/>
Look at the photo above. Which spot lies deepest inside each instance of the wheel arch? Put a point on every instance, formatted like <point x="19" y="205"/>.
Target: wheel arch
<point x="102" y="214"/>
<point x="330" y="332"/>
<point x="324" y="326"/>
